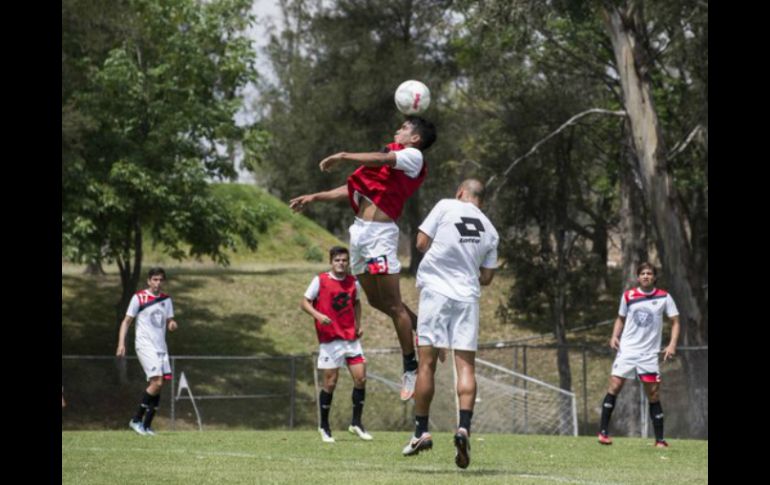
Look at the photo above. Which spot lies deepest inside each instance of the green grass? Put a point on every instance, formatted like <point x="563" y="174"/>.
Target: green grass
<point x="300" y="457"/>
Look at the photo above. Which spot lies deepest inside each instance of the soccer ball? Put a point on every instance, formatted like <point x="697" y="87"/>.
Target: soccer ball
<point x="412" y="97"/>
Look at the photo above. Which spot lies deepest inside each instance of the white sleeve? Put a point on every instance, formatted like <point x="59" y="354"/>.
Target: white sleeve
<point x="490" y="260"/>
<point x="133" y="307"/>
<point x="358" y="291"/>
<point x="410" y="161"/>
<point x="623" y="310"/>
<point x="312" y="291"/>
<point x="170" y="311"/>
<point x="430" y="225"/>
<point x="671" y="309"/>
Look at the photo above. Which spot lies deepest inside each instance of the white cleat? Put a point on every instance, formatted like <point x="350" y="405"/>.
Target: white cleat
<point x="326" y="436"/>
<point x="359" y="431"/>
<point x="416" y="445"/>
<point x="137" y="426"/>
<point x="149" y="431"/>
<point x="408" y="380"/>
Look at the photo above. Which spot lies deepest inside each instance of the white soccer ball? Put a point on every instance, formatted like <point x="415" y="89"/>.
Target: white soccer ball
<point x="412" y="97"/>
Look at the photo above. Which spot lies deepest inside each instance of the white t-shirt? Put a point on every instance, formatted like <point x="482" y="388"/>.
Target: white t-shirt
<point x="315" y="286"/>
<point x="151" y="321"/>
<point x="643" y="329"/>
<point x="410" y="161"/>
<point x="463" y="241"/>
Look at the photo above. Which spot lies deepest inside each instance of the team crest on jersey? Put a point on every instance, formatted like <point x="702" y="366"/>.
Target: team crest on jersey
<point x="643" y="318"/>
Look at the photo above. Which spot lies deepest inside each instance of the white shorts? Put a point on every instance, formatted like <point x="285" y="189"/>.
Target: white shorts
<point x="374" y="247"/>
<point x="446" y="323"/>
<point x="629" y="366"/>
<point x="338" y="353"/>
<point x="154" y="363"/>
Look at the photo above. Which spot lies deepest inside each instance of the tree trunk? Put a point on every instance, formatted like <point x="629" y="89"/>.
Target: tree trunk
<point x="633" y="238"/>
<point x="413" y="220"/>
<point x="94" y="268"/>
<point x="129" y="279"/>
<point x="626" y="30"/>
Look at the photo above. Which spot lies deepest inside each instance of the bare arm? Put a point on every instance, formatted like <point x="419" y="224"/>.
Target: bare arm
<point x="423" y="241"/>
<point x="298" y="204"/>
<point x="121" y="351"/>
<point x="371" y="159"/>
<point x="307" y="306"/>
<point x="172" y="325"/>
<point x="357" y="308"/>
<point x="617" y="329"/>
<point x="670" y="350"/>
<point x="486" y="275"/>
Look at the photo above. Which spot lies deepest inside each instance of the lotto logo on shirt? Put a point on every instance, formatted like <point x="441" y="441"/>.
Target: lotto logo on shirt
<point x="340" y="301"/>
<point x="470" y="227"/>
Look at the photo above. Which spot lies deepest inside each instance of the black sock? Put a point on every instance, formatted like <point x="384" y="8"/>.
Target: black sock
<point x="143" y="407"/>
<point x="410" y="362"/>
<point x="325" y="402"/>
<point x="656" y="414"/>
<point x="421" y="425"/>
<point x="154" y="404"/>
<point x="465" y="419"/>
<point x="358" y="406"/>
<point x="607" y="406"/>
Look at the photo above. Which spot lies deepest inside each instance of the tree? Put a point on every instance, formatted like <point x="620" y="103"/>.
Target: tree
<point x="145" y="116"/>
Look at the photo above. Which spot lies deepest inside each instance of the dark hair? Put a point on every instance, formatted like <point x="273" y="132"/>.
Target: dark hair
<point x="157" y="270"/>
<point x="337" y="250"/>
<point x="425" y="129"/>
<point x="644" y="266"/>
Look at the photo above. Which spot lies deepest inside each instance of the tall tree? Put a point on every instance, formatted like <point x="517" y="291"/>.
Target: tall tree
<point x="150" y="90"/>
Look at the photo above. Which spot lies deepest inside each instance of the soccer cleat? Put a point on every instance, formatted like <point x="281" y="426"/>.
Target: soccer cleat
<point x="661" y="444"/>
<point x="416" y="445"/>
<point x="462" y="448"/>
<point x="149" y="431"/>
<point x="326" y="435"/>
<point x="408" y="381"/>
<point x="605" y="439"/>
<point x="137" y="426"/>
<point x="360" y="432"/>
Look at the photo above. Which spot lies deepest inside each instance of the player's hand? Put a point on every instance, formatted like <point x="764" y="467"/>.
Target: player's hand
<point x="172" y="325"/>
<point x="325" y="320"/>
<point x="359" y="332"/>
<point x="121" y="352"/>
<point x="669" y="352"/>
<point x="331" y="161"/>
<point x="298" y="204"/>
<point x="614" y="343"/>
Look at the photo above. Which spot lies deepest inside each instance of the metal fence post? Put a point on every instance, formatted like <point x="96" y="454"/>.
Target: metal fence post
<point x="526" y="395"/>
<point x="292" y="391"/>
<point x="585" y="390"/>
<point x="173" y="380"/>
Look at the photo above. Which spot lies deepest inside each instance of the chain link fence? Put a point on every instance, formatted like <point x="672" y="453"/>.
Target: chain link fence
<point x="271" y="392"/>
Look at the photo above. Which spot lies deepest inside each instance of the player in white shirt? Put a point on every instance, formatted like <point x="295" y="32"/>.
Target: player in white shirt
<point x="460" y="245"/>
<point x="640" y="319"/>
<point x="154" y="312"/>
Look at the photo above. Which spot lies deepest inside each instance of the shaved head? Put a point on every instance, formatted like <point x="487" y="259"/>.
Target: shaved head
<point x="471" y="189"/>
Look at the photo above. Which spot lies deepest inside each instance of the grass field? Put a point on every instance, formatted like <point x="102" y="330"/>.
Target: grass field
<point x="300" y="457"/>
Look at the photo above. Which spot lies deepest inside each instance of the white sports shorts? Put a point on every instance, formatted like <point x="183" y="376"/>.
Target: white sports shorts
<point x="154" y="363"/>
<point x="338" y="353"/>
<point x="374" y="247"/>
<point x="629" y="366"/>
<point x="446" y="323"/>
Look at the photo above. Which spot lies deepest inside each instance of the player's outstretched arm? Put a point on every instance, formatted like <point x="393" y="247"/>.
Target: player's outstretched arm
<point x="370" y="159"/>
<point x="298" y="204"/>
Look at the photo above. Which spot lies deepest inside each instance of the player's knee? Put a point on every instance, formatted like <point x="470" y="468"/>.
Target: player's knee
<point x="359" y="382"/>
